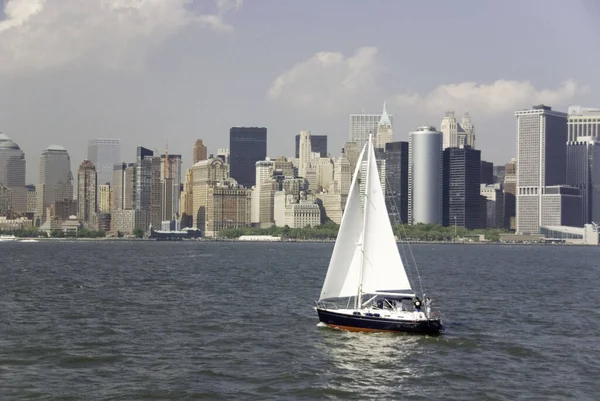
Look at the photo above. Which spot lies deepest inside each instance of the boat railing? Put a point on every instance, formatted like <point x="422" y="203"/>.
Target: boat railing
<point x="327" y="305"/>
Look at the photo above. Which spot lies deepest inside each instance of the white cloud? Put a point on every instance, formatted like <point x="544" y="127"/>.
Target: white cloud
<point x="42" y="34"/>
<point x="493" y="99"/>
<point x="327" y="81"/>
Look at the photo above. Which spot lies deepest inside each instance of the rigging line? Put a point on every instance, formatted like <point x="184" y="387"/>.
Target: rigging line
<point x="402" y="245"/>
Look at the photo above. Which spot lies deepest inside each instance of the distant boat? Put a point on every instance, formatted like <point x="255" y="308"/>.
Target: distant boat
<point x="29" y="240"/>
<point x="366" y="287"/>
<point x="6" y="238"/>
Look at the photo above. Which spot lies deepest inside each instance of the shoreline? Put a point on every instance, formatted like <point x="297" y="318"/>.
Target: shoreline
<point x="112" y="239"/>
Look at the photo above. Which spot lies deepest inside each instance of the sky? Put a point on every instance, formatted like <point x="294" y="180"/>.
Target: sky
<point x="151" y="71"/>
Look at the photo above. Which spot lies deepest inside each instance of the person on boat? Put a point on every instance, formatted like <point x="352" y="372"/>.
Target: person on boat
<point x="417" y="304"/>
<point x="427" y="307"/>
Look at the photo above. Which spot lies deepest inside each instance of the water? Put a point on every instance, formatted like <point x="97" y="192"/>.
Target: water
<point x="188" y="321"/>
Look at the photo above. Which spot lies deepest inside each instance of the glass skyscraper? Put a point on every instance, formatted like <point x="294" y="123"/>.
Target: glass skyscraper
<point x="247" y="145"/>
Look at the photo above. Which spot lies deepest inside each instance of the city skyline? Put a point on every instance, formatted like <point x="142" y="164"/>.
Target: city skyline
<point x="151" y="85"/>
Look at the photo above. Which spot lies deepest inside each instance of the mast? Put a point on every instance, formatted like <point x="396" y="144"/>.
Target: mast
<point x="358" y="301"/>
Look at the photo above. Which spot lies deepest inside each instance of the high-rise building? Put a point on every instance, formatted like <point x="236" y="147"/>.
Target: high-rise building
<point x="205" y="173"/>
<point x="384" y="130"/>
<point x="200" y="151"/>
<point x="362" y="125"/>
<point x="469" y="130"/>
<point x="583" y="122"/>
<point x="318" y="144"/>
<point x="170" y="176"/>
<point x="12" y="173"/>
<point x="105" y="195"/>
<point x="510" y="194"/>
<point x="342" y="175"/>
<point x="187" y="200"/>
<point x="264" y="175"/>
<point x="247" y="145"/>
<point x="304" y="162"/>
<point x="462" y="187"/>
<point x="425" y="178"/>
<point x="56" y="180"/>
<point x="396" y="163"/>
<point x="487" y="172"/>
<point x="453" y="133"/>
<point x="86" y="194"/>
<point x="104" y="154"/>
<point x="494" y="206"/>
<point x="583" y="172"/>
<point x="227" y="206"/>
<point x="541" y="162"/>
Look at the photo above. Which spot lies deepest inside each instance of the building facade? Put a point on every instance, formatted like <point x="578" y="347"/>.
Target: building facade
<point x="541" y="162"/>
<point x="583" y="122"/>
<point x="200" y="151"/>
<point x="462" y="187"/>
<point x="56" y="180"/>
<point x="86" y="194"/>
<point x="396" y="163"/>
<point x="318" y="145"/>
<point x="104" y="154"/>
<point x="361" y="125"/>
<point x="583" y="172"/>
<point x="12" y="173"/>
<point x="425" y="176"/>
<point x="247" y="145"/>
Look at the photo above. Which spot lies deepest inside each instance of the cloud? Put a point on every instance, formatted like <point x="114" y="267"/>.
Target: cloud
<point x="327" y="81"/>
<point x="493" y="99"/>
<point x="42" y="34"/>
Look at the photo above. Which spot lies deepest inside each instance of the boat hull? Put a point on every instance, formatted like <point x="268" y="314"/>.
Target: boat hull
<point x="378" y="324"/>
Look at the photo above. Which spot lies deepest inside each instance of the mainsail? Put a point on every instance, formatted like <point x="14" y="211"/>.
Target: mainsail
<point x="382" y="269"/>
<point x="365" y="252"/>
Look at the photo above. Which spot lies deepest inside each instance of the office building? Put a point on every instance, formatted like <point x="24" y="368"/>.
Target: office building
<point x="12" y="174"/>
<point x="55" y="181"/>
<point x="104" y="154"/>
<point x="318" y="145"/>
<point x="462" y="187"/>
<point x="247" y="145"/>
<point x="510" y="194"/>
<point x="425" y="177"/>
<point x="583" y="172"/>
<point x="200" y="151"/>
<point x="541" y="162"/>
<point x="384" y="130"/>
<point x="205" y="173"/>
<point x="86" y="194"/>
<point x="361" y="125"/>
<point x="487" y="172"/>
<point x="396" y="163"/>
<point x="494" y="205"/>
<point x="583" y="122"/>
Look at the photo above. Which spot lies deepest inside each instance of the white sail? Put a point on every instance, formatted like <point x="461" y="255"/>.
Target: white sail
<point x="343" y="274"/>
<point x="382" y="269"/>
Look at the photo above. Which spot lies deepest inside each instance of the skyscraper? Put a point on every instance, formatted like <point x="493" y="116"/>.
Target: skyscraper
<point x="12" y="173"/>
<point x="56" y="180"/>
<point x="469" y="130"/>
<point x="487" y="172"/>
<point x="510" y="194"/>
<point x="318" y="144"/>
<point x="541" y="161"/>
<point x="170" y="176"/>
<point x="361" y="125"/>
<point x="462" y="187"/>
<point x="247" y="145"/>
<point x="396" y="163"/>
<point x="200" y="151"/>
<point x="305" y="153"/>
<point x="104" y="154"/>
<point x="583" y="122"/>
<point x="425" y="178"/>
<point x="384" y="130"/>
<point x="87" y="194"/>
<point x="583" y="172"/>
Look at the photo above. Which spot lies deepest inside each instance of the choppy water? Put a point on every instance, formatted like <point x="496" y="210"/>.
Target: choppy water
<point x="187" y="321"/>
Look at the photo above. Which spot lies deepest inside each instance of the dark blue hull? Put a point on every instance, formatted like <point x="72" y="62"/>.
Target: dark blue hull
<point x="372" y="323"/>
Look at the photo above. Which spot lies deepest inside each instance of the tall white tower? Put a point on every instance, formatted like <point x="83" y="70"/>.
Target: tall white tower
<point x="304" y="153"/>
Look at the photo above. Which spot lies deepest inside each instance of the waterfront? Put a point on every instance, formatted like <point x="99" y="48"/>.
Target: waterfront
<point x="135" y="320"/>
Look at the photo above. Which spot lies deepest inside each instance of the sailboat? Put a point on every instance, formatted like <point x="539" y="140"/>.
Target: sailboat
<point x="366" y="287"/>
